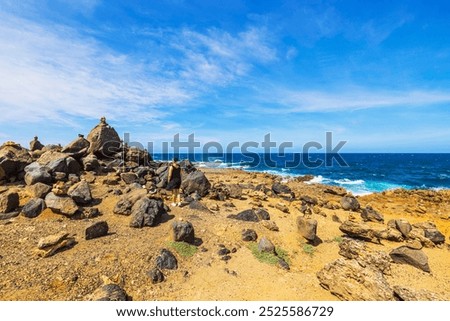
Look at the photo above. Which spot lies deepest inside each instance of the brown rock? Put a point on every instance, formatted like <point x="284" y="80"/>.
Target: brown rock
<point x="307" y="228"/>
<point x="9" y="201"/>
<point x="406" y="255"/>
<point x="360" y="231"/>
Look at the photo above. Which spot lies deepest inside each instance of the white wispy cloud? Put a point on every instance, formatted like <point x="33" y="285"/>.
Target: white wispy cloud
<point x="350" y="99"/>
<point x="52" y="72"/>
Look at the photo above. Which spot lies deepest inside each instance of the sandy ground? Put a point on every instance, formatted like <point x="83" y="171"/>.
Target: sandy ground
<point x="127" y="254"/>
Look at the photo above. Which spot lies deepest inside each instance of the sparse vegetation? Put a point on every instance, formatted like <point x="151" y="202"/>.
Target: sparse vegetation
<point x="338" y="239"/>
<point x="269" y="258"/>
<point x="183" y="248"/>
<point x="309" y="249"/>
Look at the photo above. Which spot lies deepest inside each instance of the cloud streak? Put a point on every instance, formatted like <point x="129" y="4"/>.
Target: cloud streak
<point x="351" y="99"/>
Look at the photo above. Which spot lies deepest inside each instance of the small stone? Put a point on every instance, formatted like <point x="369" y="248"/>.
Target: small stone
<point x="156" y="275"/>
<point x="249" y="235"/>
<point x="129" y="178"/>
<point x="226" y="258"/>
<point x="307" y="228"/>
<point x="369" y="214"/>
<point x="350" y="203"/>
<point x="270" y="225"/>
<point x="96" y="230"/>
<point x="166" y="260"/>
<point x="265" y="245"/>
<point x="33" y="207"/>
<point x="282" y="207"/>
<point x="223" y="251"/>
<point x="283" y="264"/>
<point x="183" y="232"/>
<point x="9" y="201"/>
<point x="80" y="193"/>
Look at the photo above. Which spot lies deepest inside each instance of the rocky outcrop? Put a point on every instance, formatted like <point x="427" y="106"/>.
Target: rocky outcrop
<point x="196" y="182"/>
<point x="280" y="189"/>
<point x="431" y="232"/>
<point x="98" y="229"/>
<point x="35" y="144"/>
<point x="13" y="160"/>
<point x="125" y="204"/>
<point x="407" y="294"/>
<point x="249" y="235"/>
<point x="33" y="207"/>
<point x="166" y="260"/>
<point x="147" y="212"/>
<point x="104" y="140"/>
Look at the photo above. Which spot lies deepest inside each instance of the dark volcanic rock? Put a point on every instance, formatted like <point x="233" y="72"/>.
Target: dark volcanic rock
<point x="80" y="193"/>
<point x="279" y="188"/>
<point x="33" y="207"/>
<point x="155" y="275"/>
<point x="247" y="215"/>
<point x="249" y="235"/>
<point x="431" y="232"/>
<point x="147" y="212"/>
<point x="196" y="182"/>
<point x="406" y="255"/>
<point x="198" y="206"/>
<point x="97" y="229"/>
<point x="109" y="292"/>
<point x="183" y="232"/>
<point x="360" y="231"/>
<point x="369" y="214"/>
<point x="307" y="228"/>
<point x="349" y="203"/>
<point x="166" y="260"/>
<point x="13" y="160"/>
<point x="9" y="201"/>
<point x="91" y="163"/>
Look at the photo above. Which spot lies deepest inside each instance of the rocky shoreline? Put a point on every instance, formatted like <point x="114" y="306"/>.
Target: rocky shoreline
<point x="91" y="221"/>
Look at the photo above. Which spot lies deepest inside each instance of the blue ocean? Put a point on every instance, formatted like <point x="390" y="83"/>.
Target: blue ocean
<point x="358" y="173"/>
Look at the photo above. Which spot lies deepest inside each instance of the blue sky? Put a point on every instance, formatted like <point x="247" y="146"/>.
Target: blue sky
<point x="375" y="73"/>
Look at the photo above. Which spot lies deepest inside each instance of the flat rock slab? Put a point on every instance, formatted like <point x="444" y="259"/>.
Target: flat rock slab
<point x="51" y="244"/>
<point x="406" y="255"/>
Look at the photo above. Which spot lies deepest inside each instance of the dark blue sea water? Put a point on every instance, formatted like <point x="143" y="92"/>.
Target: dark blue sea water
<point x="358" y="173"/>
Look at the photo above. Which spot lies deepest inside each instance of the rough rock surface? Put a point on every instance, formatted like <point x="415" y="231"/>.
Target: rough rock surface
<point x="13" y="160"/>
<point x="108" y="292"/>
<point x="9" y="201"/>
<point x="360" y="231"/>
<point x="104" y="140"/>
<point x="196" y="182"/>
<point x="80" y="193"/>
<point x="98" y="229"/>
<point x="166" y="260"/>
<point x="61" y="204"/>
<point x="147" y="212"/>
<point x="307" y="228"/>
<point x="33" y="207"/>
<point x="350" y="203"/>
<point x="183" y="232"/>
<point x="406" y="255"/>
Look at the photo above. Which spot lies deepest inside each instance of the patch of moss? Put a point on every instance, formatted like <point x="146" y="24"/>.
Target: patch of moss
<point x="183" y="248"/>
<point x="308" y="249"/>
<point x="338" y="239"/>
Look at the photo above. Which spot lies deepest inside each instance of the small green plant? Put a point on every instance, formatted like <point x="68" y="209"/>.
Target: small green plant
<point x="338" y="239"/>
<point x="308" y="249"/>
<point x="183" y="248"/>
<point x="267" y="257"/>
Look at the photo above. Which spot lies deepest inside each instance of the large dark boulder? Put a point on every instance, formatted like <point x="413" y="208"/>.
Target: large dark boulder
<point x="98" y="229"/>
<point x="36" y="173"/>
<point x="104" y="140"/>
<point x="78" y="146"/>
<point x="147" y="212"/>
<point x="431" y="232"/>
<point x="196" y="182"/>
<point x="247" y="215"/>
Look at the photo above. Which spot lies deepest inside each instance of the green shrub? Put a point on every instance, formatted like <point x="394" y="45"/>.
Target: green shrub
<point x="267" y="257"/>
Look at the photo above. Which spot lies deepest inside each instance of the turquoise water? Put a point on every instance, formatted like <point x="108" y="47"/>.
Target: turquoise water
<point x="358" y="173"/>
